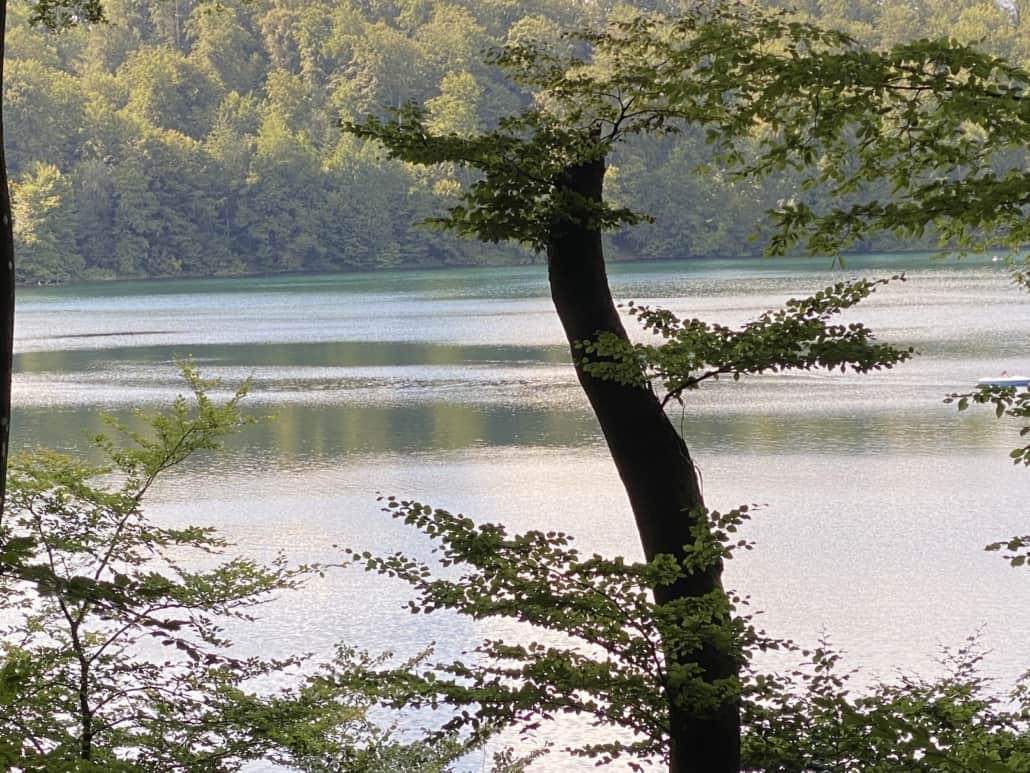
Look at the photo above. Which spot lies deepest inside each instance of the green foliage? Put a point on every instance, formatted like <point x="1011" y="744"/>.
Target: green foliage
<point x="599" y="650"/>
<point x="44" y="233"/>
<point x="583" y="107"/>
<point x="94" y="97"/>
<point x="113" y="655"/>
<point x="796" y="337"/>
<point x="807" y="719"/>
<point x="44" y="112"/>
<point x="915" y="139"/>
<point x="168" y="91"/>
<point x="518" y="198"/>
<point x="61" y="14"/>
<point x="1012" y="402"/>
<point x="454" y="111"/>
<point x="1014" y="545"/>
<point x="942" y="124"/>
<point x="601" y="646"/>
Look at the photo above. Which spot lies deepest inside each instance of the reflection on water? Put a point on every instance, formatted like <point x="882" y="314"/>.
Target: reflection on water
<point x="454" y="387"/>
<point x="348" y="354"/>
<point x="297" y="433"/>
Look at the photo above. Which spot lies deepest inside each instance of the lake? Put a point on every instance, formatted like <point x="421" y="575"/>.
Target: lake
<point x="454" y="387"/>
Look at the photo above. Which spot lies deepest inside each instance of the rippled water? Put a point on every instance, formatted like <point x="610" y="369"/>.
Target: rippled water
<point x="454" y="387"/>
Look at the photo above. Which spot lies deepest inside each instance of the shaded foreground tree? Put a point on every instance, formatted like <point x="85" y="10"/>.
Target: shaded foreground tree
<point x="6" y="294"/>
<point x="98" y="581"/>
<point x="542" y="183"/>
<point x="938" y="121"/>
<point x="6" y="291"/>
<point x="594" y="651"/>
<point x="613" y="662"/>
<point x="113" y="649"/>
<point x="626" y="654"/>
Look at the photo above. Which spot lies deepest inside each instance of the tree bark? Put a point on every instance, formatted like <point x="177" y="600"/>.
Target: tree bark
<point x="651" y="458"/>
<point x="6" y="289"/>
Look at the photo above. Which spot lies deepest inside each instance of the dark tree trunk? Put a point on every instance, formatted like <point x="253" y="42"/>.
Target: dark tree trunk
<point x="6" y="289"/>
<point x="651" y="458"/>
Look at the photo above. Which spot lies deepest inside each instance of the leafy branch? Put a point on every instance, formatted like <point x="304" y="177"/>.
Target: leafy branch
<point x="95" y="586"/>
<point x="799" y="336"/>
<point x="1014" y="403"/>
<point x="603" y="646"/>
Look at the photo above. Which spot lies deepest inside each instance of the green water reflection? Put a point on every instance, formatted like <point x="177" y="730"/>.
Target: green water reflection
<point x="333" y="353"/>
<point x="514" y="281"/>
<point x="295" y="435"/>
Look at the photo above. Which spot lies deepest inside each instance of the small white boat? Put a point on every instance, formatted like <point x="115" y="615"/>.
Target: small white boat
<point x="1004" y="380"/>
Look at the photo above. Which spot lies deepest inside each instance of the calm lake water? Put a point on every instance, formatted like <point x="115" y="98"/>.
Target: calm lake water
<point x="454" y="388"/>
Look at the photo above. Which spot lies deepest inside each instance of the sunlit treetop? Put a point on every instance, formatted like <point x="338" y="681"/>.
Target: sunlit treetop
<point x="62" y="14"/>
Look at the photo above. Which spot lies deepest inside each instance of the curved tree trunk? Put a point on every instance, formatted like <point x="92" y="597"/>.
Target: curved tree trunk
<point x="6" y="288"/>
<point x="652" y="460"/>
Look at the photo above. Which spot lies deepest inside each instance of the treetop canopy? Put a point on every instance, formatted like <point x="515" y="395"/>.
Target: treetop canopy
<point x="945" y="125"/>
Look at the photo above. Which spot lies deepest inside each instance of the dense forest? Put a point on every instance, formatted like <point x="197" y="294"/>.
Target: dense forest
<point x="202" y="138"/>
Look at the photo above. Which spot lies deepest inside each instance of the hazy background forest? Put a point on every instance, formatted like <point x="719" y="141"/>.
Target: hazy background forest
<point x="201" y="138"/>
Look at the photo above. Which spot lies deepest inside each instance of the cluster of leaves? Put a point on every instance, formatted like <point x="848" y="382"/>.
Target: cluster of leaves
<point x="599" y="645"/>
<point x="1017" y="549"/>
<point x="633" y="78"/>
<point x="916" y="136"/>
<point x="1012" y="402"/>
<point x="807" y="719"/>
<point x="921" y="136"/>
<point x="55" y="15"/>
<point x="799" y="336"/>
<point x="605" y="646"/>
<point x="112" y="651"/>
<point x="519" y="194"/>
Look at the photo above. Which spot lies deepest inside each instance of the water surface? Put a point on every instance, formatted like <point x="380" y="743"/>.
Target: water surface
<point x="454" y="387"/>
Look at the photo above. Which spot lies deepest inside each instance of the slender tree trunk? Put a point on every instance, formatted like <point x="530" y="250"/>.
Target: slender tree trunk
<point x="6" y="288"/>
<point x="85" y="710"/>
<point x="652" y="460"/>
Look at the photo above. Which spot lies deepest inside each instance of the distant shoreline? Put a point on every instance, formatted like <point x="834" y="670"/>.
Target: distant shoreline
<point x="621" y="258"/>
